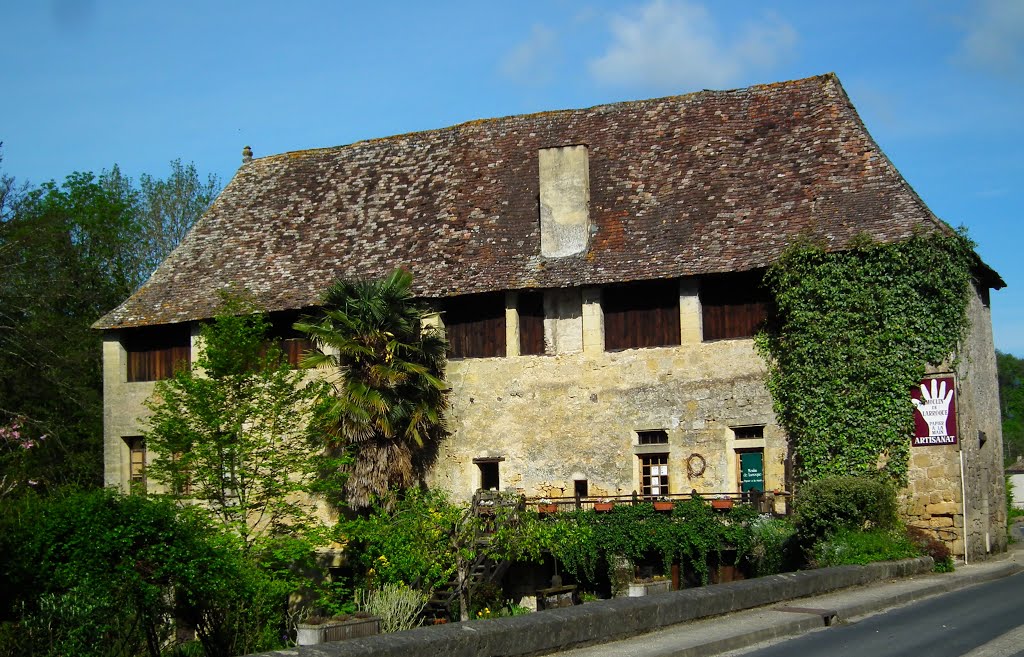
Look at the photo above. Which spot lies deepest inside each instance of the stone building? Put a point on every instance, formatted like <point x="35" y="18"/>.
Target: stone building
<point x="595" y="271"/>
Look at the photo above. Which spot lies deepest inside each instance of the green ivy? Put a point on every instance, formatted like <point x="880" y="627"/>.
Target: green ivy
<point x="852" y="333"/>
<point x="690" y="534"/>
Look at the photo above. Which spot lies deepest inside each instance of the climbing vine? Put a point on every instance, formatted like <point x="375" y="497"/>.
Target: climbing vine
<point x="690" y="534"/>
<point x="852" y="333"/>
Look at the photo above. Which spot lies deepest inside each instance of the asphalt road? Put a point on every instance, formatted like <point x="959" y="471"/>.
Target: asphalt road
<point x="981" y="621"/>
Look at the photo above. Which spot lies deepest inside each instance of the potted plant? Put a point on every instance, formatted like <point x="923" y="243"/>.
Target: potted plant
<point x="651" y="586"/>
<point x="546" y="506"/>
<point x="664" y="504"/>
<point x="722" y="502"/>
<point x="603" y="506"/>
<point x="317" y="629"/>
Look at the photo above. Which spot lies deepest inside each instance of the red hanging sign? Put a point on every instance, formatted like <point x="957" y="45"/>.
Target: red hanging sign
<point x="934" y="412"/>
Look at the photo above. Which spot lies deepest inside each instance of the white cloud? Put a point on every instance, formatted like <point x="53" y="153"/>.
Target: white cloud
<point x="677" y="45"/>
<point x="995" y="37"/>
<point x="531" y="61"/>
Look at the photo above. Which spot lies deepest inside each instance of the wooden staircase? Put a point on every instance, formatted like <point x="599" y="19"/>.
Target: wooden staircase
<point x="444" y="602"/>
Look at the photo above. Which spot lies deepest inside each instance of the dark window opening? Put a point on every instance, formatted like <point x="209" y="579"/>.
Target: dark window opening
<point x="733" y="305"/>
<point x="641" y="315"/>
<point x="580" y="488"/>
<point x="652" y="437"/>
<point x="654" y="474"/>
<point x="489" y="479"/>
<point x="531" y="323"/>
<point x="157" y="352"/>
<point x="136" y="462"/>
<point x="293" y="343"/>
<point x="984" y="294"/>
<point x="748" y="433"/>
<point x="475" y="325"/>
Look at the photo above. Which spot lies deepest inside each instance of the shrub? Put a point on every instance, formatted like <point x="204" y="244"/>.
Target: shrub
<point x="771" y="545"/>
<point x="404" y="539"/>
<point x="97" y="573"/>
<point x="930" y="545"/>
<point x="827" y="506"/>
<point x="852" y="546"/>
<point x="398" y="606"/>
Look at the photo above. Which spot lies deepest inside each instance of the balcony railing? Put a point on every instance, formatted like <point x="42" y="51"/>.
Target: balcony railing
<point x="763" y="502"/>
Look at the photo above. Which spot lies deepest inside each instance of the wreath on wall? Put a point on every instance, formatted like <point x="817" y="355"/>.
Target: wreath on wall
<point x="695" y="465"/>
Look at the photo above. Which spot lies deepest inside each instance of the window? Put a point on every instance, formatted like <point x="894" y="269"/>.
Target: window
<point x="641" y="315"/>
<point x="654" y="474"/>
<point x="580" y="488"/>
<point x="136" y="461"/>
<point x="157" y="352"/>
<point x="293" y="343"/>
<point x="475" y="325"/>
<point x="748" y="433"/>
<point x="652" y="437"/>
<point x="531" y="323"/>
<point x="733" y="305"/>
<point x="489" y="479"/>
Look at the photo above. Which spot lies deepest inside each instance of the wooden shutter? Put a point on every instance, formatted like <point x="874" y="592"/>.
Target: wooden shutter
<point x="641" y="315"/>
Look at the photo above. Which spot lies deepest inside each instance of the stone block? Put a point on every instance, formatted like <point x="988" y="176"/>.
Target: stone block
<point x="942" y="509"/>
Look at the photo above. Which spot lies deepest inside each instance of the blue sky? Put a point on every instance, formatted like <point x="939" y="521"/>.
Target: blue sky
<point x="86" y="85"/>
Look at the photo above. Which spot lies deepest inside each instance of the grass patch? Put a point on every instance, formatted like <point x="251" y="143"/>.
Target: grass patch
<point x="849" y="546"/>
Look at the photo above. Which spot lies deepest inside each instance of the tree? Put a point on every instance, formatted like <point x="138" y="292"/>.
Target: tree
<point x="69" y="253"/>
<point x="65" y="259"/>
<point x="231" y="431"/>
<point x="387" y="398"/>
<point x="169" y="208"/>
<point x="1011" y="404"/>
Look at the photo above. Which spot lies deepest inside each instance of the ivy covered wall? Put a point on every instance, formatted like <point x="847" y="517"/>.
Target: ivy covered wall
<point x="852" y="333"/>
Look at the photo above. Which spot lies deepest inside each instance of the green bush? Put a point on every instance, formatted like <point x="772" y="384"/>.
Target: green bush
<point x="827" y="506"/>
<point x="771" y="549"/>
<point x="853" y="546"/>
<point x="404" y="539"/>
<point x="398" y="606"/>
<point x="97" y="573"/>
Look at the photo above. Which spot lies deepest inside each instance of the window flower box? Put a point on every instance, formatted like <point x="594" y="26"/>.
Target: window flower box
<point x="664" y="505"/>
<point x="721" y="504"/>
<point x="549" y="507"/>
<point x="603" y="507"/>
<point x="311" y="634"/>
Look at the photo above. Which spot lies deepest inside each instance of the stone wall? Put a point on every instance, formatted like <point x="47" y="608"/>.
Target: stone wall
<point x="574" y="415"/>
<point x="934" y="498"/>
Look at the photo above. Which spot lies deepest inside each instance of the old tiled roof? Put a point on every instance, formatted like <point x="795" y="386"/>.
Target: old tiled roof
<point x="712" y="181"/>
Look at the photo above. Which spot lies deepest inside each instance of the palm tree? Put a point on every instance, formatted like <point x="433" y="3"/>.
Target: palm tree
<point x="387" y="397"/>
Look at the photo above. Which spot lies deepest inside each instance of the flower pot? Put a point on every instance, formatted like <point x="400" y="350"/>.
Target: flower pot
<point x="336" y="630"/>
<point x="603" y="507"/>
<point x="721" y="504"/>
<point x="547" y="508"/>
<point x="640" y="589"/>
<point x="664" y="505"/>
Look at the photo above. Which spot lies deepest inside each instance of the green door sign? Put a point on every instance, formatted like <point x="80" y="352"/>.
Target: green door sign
<point x="751" y="471"/>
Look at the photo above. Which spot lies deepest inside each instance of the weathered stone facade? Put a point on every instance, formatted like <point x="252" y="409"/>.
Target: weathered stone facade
<point x="571" y="416"/>
<point x="941" y="475"/>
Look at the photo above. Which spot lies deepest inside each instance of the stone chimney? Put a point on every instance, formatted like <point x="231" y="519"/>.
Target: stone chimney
<point x="246" y="155"/>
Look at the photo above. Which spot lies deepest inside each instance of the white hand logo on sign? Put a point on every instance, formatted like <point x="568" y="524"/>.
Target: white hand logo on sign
<point x="934" y="407"/>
